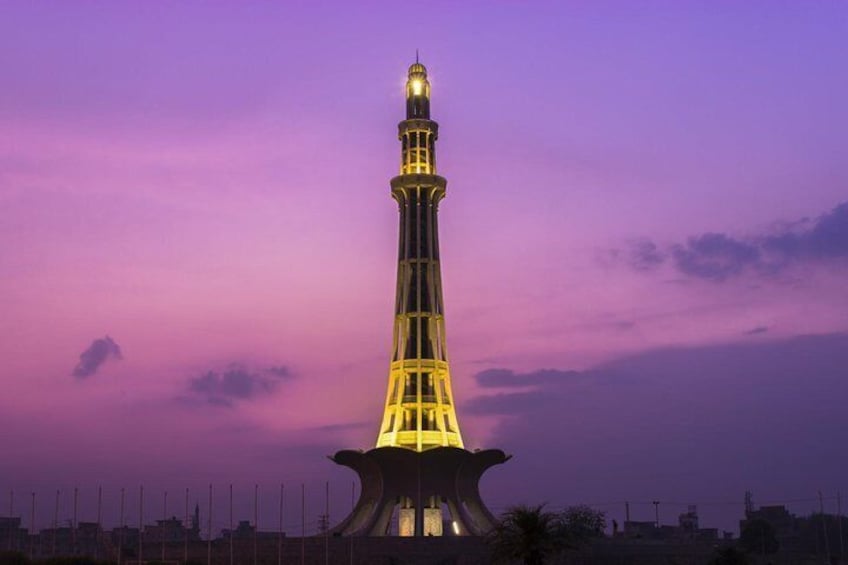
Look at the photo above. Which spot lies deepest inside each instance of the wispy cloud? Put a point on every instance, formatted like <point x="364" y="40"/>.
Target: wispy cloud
<point x="97" y="353"/>
<point x="235" y="383"/>
<point x="342" y="427"/>
<point x="714" y="256"/>
<point x="718" y="257"/>
<point x="705" y="420"/>
<point x="645" y="255"/>
<point x="504" y="378"/>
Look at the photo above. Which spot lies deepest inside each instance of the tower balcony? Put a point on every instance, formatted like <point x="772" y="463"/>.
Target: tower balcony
<point x="425" y="399"/>
<point x="422" y="364"/>
<point x="429" y="439"/>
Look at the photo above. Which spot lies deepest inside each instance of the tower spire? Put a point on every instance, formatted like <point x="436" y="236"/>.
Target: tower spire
<point x="419" y="411"/>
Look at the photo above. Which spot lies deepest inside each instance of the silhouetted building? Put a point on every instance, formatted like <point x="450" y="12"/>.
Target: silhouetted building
<point x="244" y="530"/>
<point x="57" y="541"/>
<point x="687" y="528"/>
<point x="817" y="534"/>
<point x="638" y="529"/>
<point x="169" y="531"/>
<point x="787" y="526"/>
<point x="688" y="521"/>
<point x="124" y="537"/>
<point x="195" y="520"/>
<point x="12" y="536"/>
<point x="247" y="531"/>
<point x="89" y="538"/>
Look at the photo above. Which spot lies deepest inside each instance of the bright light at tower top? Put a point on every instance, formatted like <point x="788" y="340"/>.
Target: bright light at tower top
<point x="417" y="92"/>
<point x="417" y="83"/>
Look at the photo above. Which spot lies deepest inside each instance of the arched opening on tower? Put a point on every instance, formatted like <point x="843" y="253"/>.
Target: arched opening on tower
<point x="435" y="515"/>
<point x="406" y="517"/>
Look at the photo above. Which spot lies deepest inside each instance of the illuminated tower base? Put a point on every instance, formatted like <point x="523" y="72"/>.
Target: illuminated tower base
<point x="433" y="492"/>
<point x="419" y="471"/>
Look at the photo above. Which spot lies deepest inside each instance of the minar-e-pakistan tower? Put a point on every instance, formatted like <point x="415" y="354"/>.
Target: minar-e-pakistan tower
<point x="419" y="465"/>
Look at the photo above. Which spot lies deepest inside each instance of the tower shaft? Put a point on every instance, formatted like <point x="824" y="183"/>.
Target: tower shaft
<point x="419" y="472"/>
<point x="419" y="411"/>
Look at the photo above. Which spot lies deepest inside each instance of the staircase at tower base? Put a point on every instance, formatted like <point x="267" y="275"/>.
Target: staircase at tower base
<point x="420" y="482"/>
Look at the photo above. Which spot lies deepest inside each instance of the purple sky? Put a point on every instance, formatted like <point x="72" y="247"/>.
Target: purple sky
<point x="644" y="244"/>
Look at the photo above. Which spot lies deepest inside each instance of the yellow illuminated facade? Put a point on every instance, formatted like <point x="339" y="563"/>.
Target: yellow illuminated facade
<point x="419" y="411"/>
<point x="419" y="476"/>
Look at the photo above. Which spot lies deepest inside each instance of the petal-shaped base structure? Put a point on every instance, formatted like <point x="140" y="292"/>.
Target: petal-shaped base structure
<point x="394" y="475"/>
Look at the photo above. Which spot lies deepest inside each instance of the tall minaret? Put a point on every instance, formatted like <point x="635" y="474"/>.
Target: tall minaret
<point x="419" y="413"/>
<point x="419" y="472"/>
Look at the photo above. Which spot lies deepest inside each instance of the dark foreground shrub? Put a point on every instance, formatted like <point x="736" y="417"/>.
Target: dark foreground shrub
<point x="13" y="558"/>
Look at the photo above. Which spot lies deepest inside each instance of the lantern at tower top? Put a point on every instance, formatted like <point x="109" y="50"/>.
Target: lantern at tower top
<point x="417" y="93"/>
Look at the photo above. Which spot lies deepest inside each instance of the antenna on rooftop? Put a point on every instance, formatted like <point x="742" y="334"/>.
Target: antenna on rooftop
<point x="749" y="503"/>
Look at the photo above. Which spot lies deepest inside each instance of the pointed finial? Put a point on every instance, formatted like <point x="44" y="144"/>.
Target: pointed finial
<point x="416" y="55"/>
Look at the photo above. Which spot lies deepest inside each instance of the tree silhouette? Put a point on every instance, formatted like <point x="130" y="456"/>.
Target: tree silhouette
<point x="729" y="556"/>
<point x="580" y="524"/>
<point x="527" y="533"/>
<point x="13" y="558"/>
<point x="758" y="537"/>
<point x="531" y="535"/>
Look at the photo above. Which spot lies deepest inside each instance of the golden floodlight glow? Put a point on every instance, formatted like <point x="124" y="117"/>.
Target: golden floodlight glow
<point x="419" y="480"/>
<point x="419" y="411"/>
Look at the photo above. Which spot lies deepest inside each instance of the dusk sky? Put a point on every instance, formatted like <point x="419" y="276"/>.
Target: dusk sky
<point x="644" y="247"/>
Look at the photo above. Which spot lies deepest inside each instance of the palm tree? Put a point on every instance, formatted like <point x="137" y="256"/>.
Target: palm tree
<point x="528" y="534"/>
